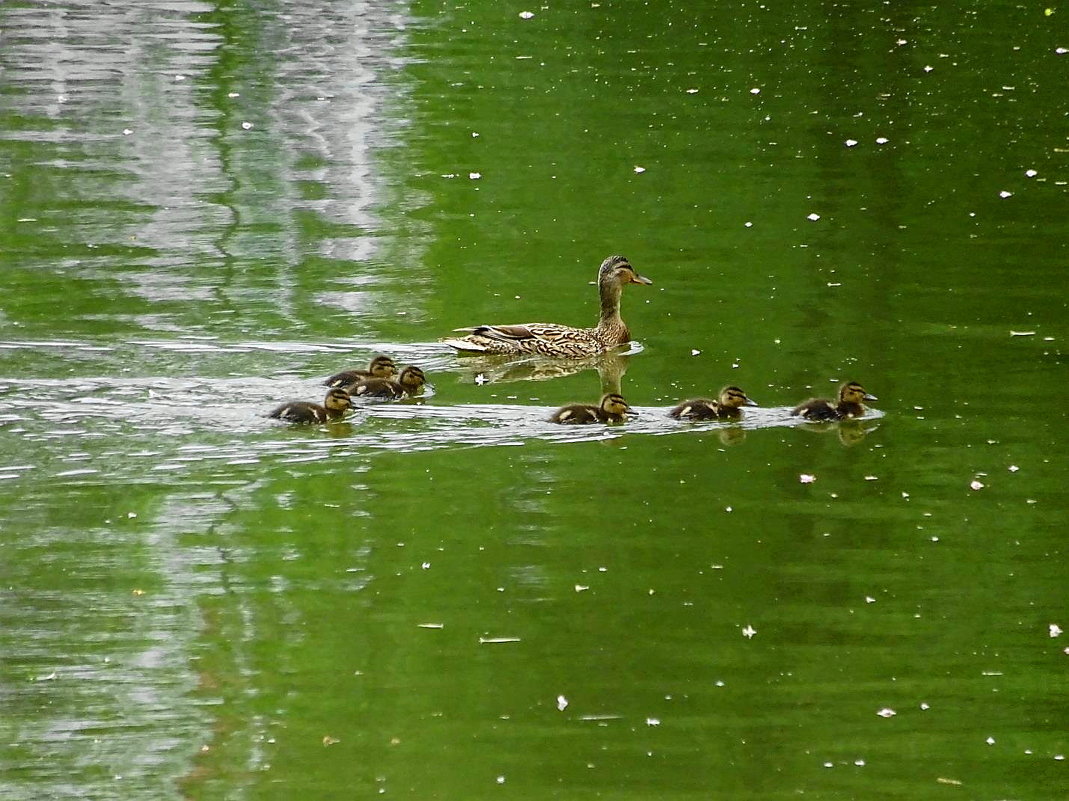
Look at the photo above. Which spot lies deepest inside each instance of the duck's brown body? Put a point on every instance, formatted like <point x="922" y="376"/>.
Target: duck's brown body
<point x="851" y="395"/>
<point x="380" y="367"/>
<point x="727" y="406"/>
<point x="612" y="409"/>
<point x="334" y="407"/>
<point x="561" y="341"/>
<point x="409" y="383"/>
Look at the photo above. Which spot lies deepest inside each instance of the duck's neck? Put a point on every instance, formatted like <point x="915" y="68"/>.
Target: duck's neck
<point x="850" y="409"/>
<point x="610" y="325"/>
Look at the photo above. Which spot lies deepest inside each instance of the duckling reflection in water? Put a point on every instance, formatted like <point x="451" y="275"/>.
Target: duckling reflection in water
<point x="380" y="367"/>
<point x="408" y="384"/>
<point x="727" y="406"/>
<point x="612" y="409"/>
<point x="851" y="395"/>
<point x="334" y="407"/>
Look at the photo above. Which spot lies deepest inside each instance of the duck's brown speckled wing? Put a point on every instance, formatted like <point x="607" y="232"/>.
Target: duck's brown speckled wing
<point x="549" y="339"/>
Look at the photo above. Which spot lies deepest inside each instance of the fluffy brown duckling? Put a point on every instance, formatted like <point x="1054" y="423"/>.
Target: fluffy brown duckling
<point x="727" y="406"/>
<point x="611" y="409"/>
<point x="380" y="367"/>
<point x="409" y="383"/>
<point x="561" y="341"/>
<point x="334" y="407"/>
<point x="851" y="394"/>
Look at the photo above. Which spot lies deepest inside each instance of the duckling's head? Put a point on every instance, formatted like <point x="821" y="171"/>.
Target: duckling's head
<point x="338" y="400"/>
<point x="733" y="398"/>
<point x="412" y="378"/>
<point x="383" y="367"/>
<point x="613" y="403"/>
<point x="617" y="269"/>
<point x="853" y="392"/>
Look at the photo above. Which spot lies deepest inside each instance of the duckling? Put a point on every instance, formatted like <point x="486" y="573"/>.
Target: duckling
<point x="334" y="407"/>
<point x="850" y="396"/>
<point x="611" y="409"/>
<point x="561" y="341"/>
<point x="725" y="407"/>
<point x="380" y="367"/>
<point x="410" y="382"/>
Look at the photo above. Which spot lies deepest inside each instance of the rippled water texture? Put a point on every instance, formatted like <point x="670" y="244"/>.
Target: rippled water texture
<point x="207" y="208"/>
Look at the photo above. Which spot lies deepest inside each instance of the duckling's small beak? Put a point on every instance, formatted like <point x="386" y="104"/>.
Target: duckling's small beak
<point x="869" y="397"/>
<point x="640" y="279"/>
<point x="752" y="402"/>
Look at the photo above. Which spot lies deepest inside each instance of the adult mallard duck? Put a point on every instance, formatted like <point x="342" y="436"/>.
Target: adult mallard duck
<point x="851" y="394"/>
<point x="380" y="367"/>
<point x="334" y="407"/>
<point x="725" y="407"/>
<point x="561" y="341"/>
<point x="611" y="409"/>
<point x="409" y="383"/>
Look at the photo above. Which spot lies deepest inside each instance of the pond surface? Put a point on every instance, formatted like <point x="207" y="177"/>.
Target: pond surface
<point x="207" y="208"/>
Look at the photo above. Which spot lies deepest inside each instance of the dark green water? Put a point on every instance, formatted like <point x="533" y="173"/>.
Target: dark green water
<point x="206" y="208"/>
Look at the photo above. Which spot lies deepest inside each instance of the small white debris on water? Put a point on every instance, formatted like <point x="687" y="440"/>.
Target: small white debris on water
<point x="1055" y="630"/>
<point x="1004" y="194"/>
<point x="639" y="170"/>
<point x="426" y="565"/>
<point x="882" y="140"/>
<point x="990" y="741"/>
<point x="233" y="94"/>
<point x="925" y="706"/>
<point x="886" y="712"/>
<point x="755" y="91"/>
<point x="976" y="485"/>
<point x="581" y="587"/>
<point x="851" y="142"/>
<point x="869" y="599"/>
<point x="872" y="478"/>
<point x="475" y="176"/>
<point x="928" y="68"/>
<point x="131" y="515"/>
<point x="653" y="722"/>
<point x="747" y="224"/>
<point x="474" y="134"/>
<point x="126" y="132"/>
<point x="1022" y="333"/>
<point x="695" y="352"/>
<point x="246" y="125"/>
<point x="1061" y="51"/>
<point x="692" y="91"/>
<point x="749" y="632"/>
<point x="431" y="625"/>
<point x="497" y="640"/>
<point x="1031" y="173"/>
<point x="562" y="703"/>
<point x="859" y="762"/>
<point x="500" y="779"/>
<point x="814" y="216"/>
<point x="526" y="14"/>
<point x="1013" y="468"/>
<point x="806" y="478"/>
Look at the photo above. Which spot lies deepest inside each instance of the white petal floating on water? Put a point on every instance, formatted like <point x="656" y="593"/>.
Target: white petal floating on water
<point x="246" y="125"/>
<point x="653" y="722"/>
<point x="850" y="142"/>
<point x="869" y="599"/>
<point x="814" y="217"/>
<point x="431" y="625"/>
<point x="928" y="68"/>
<point x="806" y="478"/>
<point x="475" y="176"/>
<point x="976" y="485"/>
<point x="882" y="140"/>
<point x="755" y="91"/>
<point x="925" y="706"/>
<point x="1013" y="468"/>
<point x="859" y="762"/>
<point x="1055" y="630"/>
<point x="886" y="712"/>
<point x="872" y="478"/>
<point x="692" y="91"/>
<point x="1031" y="173"/>
<point x="562" y="703"/>
<point x="526" y="14"/>
<point x="990" y="741"/>
<point x="695" y="352"/>
<point x="497" y="640"/>
<point x="639" y="169"/>
<point x="581" y="588"/>
<point x="749" y="632"/>
<point x="1004" y="193"/>
<point x="1022" y="333"/>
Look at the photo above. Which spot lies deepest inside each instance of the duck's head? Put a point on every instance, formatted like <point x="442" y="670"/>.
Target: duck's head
<point x="383" y="367"/>
<point x="853" y="392"/>
<point x="733" y="398"/>
<point x="338" y="400"/>
<point x="412" y="378"/>
<point x="612" y="403"/>
<point x="618" y="270"/>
